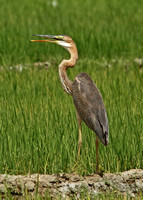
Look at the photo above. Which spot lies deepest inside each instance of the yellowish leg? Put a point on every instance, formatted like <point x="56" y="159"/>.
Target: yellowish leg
<point x="80" y="137"/>
<point x="97" y="147"/>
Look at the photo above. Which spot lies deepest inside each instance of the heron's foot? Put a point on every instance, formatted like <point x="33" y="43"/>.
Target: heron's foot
<point x="99" y="173"/>
<point x="77" y="161"/>
<point x="75" y="166"/>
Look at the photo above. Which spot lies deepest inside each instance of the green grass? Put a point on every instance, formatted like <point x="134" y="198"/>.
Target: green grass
<point x="39" y="131"/>
<point x="38" y="126"/>
<point x="100" y="28"/>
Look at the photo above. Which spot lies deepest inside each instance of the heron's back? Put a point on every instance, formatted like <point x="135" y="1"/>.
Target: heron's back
<point x="89" y="104"/>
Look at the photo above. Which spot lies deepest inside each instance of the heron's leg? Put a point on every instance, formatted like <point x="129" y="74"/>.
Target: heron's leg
<point x="97" y="147"/>
<point x="80" y="137"/>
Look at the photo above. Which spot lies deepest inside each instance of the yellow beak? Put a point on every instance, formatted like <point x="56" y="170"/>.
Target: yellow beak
<point x="53" y="41"/>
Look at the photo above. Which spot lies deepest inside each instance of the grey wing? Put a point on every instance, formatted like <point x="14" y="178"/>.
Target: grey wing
<point x="89" y="105"/>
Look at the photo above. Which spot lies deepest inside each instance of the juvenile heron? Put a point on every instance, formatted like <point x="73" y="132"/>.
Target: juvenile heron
<point x="86" y="96"/>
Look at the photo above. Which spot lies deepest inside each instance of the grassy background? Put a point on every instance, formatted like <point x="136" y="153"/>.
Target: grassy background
<point x="100" y="28"/>
<point x="38" y="126"/>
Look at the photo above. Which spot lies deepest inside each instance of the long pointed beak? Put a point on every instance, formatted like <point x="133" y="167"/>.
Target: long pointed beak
<point x="49" y="38"/>
<point x="58" y="39"/>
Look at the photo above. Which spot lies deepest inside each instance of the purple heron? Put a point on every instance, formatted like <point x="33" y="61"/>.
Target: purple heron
<point x="86" y="96"/>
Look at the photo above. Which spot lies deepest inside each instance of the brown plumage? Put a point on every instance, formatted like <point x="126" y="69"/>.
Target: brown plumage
<point x="86" y="96"/>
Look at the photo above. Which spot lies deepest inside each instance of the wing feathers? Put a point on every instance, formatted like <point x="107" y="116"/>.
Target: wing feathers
<point x="89" y="104"/>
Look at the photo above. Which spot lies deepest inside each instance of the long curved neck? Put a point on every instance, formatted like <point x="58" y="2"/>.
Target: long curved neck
<point x="65" y="64"/>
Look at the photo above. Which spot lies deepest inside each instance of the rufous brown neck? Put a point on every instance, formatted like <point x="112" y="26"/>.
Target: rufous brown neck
<point x="64" y="65"/>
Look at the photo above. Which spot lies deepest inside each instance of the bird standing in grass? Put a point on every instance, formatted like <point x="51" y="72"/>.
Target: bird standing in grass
<point x="86" y="96"/>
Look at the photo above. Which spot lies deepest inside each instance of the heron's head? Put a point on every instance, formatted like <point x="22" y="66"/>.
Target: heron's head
<point x="62" y="40"/>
